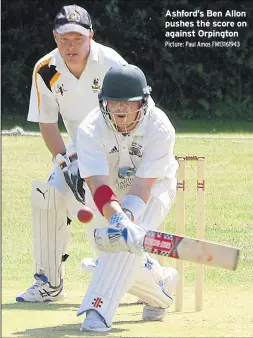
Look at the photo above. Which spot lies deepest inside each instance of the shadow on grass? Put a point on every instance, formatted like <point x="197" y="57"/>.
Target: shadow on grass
<point x="50" y="306"/>
<point x="129" y="304"/>
<point x="40" y="306"/>
<point x="66" y="330"/>
<point x="64" y="306"/>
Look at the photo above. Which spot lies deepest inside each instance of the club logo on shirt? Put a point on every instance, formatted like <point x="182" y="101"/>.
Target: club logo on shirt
<point x="95" y="86"/>
<point x="136" y="149"/>
<point x="60" y="89"/>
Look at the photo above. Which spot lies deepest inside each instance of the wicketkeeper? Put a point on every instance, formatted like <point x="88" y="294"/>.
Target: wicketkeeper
<point x="66" y="81"/>
<point x="125" y="154"/>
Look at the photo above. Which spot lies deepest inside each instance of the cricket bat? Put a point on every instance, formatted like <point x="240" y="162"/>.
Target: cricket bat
<point x="192" y="250"/>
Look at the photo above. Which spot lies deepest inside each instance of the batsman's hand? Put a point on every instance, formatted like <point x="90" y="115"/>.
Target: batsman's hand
<point x="122" y="235"/>
<point x="69" y="167"/>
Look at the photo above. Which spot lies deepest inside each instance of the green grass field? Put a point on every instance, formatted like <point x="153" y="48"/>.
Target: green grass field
<point x="228" y="297"/>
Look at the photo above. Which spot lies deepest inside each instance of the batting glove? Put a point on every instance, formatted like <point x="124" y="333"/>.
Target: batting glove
<point x="122" y="235"/>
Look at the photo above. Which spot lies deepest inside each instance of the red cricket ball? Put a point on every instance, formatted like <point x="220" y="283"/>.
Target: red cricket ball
<point x="85" y="214"/>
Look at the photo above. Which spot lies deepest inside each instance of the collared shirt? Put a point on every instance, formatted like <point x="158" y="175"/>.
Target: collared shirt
<point x="57" y="91"/>
<point x="147" y="150"/>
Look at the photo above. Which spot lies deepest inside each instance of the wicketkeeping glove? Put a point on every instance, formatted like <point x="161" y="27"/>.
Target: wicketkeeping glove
<point x="69" y="167"/>
<point x="122" y="235"/>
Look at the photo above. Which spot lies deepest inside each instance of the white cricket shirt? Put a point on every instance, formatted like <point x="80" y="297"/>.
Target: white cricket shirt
<point x="148" y="148"/>
<point x="56" y="91"/>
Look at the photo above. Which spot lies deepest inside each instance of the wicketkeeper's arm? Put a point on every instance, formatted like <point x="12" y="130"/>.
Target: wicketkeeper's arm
<point x="67" y="162"/>
<point x="53" y="138"/>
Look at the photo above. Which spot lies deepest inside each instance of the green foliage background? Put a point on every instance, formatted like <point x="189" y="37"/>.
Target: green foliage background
<point x="188" y="82"/>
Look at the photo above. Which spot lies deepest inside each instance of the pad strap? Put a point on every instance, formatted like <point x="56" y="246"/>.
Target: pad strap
<point x="103" y="195"/>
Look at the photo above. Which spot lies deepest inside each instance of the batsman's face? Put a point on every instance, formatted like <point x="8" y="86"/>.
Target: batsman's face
<point x="73" y="47"/>
<point x="124" y="114"/>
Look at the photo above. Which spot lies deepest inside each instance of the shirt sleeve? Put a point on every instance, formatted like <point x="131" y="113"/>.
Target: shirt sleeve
<point x="43" y="106"/>
<point x="91" y="151"/>
<point x="158" y="160"/>
<point x="112" y="58"/>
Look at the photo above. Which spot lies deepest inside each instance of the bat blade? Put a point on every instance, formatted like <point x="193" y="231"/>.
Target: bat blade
<point x="191" y="249"/>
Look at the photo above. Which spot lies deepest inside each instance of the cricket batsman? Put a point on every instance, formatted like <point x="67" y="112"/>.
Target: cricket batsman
<point x="125" y="154"/>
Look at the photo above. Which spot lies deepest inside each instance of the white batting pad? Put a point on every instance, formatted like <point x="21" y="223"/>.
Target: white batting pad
<point x="50" y="230"/>
<point x="154" y="284"/>
<point x="113" y="277"/>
